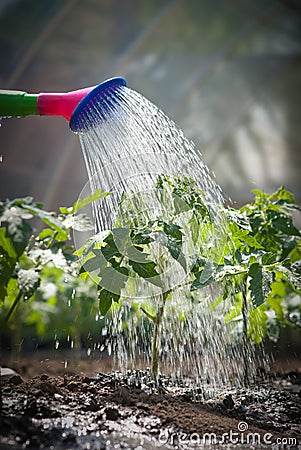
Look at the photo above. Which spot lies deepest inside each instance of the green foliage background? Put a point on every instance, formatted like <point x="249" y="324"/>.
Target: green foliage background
<point x="47" y="292"/>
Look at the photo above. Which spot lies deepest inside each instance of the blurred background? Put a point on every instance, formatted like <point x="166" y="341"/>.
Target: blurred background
<point x="227" y="71"/>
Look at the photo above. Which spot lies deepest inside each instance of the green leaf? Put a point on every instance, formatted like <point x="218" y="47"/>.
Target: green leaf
<point x="198" y="264"/>
<point x="239" y="218"/>
<point x="47" y="232"/>
<point x="257" y="323"/>
<point x="8" y="259"/>
<point x="108" y="252"/>
<point x="105" y="300"/>
<point x="96" y="263"/>
<point x="142" y="238"/>
<point x="173" y="230"/>
<point x="113" y="279"/>
<point x="17" y="227"/>
<point x="295" y="277"/>
<point x="172" y="245"/>
<point x="123" y="242"/>
<point x="49" y="219"/>
<point x="255" y="273"/>
<point x="6" y="245"/>
<point x="260" y="283"/>
<point x="269" y="258"/>
<point x="147" y="271"/>
<point x="283" y="195"/>
<point x="275" y="304"/>
<point x="285" y="225"/>
<point x="205" y="277"/>
<point x="79" y="204"/>
<point x="194" y="229"/>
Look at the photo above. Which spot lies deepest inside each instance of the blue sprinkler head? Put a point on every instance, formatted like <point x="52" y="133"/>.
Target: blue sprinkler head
<point x="95" y="107"/>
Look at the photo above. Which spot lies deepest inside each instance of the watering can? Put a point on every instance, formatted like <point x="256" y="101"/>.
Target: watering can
<point x="75" y="106"/>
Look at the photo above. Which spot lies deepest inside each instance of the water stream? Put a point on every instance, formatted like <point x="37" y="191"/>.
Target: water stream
<point x="125" y="153"/>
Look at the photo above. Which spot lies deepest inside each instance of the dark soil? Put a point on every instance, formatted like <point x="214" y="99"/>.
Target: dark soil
<point x="109" y="410"/>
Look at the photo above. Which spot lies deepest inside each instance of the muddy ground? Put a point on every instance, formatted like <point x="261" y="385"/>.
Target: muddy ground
<point x="51" y="405"/>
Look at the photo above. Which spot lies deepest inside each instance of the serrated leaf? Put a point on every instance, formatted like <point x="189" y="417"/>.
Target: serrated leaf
<point x="256" y="282"/>
<point x="147" y="271"/>
<point x="108" y="252"/>
<point x="194" y="229"/>
<point x="205" y="277"/>
<point x="123" y="244"/>
<point x="17" y="228"/>
<point x="260" y="283"/>
<point x="239" y="218"/>
<point x="283" y="195"/>
<point x="275" y="304"/>
<point x="47" y="232"/>
<point x="257" y="323"/>
<point x="198" y="264"/>
<point x="92" y="264"/>
<point x="8" y="258"/>
<point x="269" y="258"/>
<point x="285" y="225"/>
<point x="172" y="245"/>
<point x="295" y="275"/>
<point x="142" y="238"/>
<point x="47" y="218"/>
<point x="105" y="300"/>
<point x="6" y="245"/>
<point x="113" y="279"/>
<point x="97" y="195"/>
<point x="94" y="242"/>
<point x="173" y="230"/>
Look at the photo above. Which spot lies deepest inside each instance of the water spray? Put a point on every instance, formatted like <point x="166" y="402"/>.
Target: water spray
<point x="73" y="106"/>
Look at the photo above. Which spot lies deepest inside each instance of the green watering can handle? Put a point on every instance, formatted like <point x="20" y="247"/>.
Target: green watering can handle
<point x="17" y="104"/>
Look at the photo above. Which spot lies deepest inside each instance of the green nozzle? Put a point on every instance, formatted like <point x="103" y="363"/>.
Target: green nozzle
<point x="17" y="104"/>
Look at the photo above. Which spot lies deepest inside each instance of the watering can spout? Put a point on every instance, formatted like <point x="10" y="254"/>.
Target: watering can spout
<point x="60" y="104"/>
<point x="21" y="104"/>
<point x="70" y="105"/>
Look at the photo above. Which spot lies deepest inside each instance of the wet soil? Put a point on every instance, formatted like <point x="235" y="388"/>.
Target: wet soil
<point x="79" y="408"/>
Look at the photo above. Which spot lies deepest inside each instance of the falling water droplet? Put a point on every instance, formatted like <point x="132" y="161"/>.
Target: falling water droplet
<point x="135" y="143"/>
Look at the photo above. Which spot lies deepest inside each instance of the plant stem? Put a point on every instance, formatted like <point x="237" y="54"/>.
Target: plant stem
<point x="77" y="330"/>
<point x="51" y="242"/>
<point x="13" y="306"/>
<point x="246" y="378"/>
<point x="1" y="398"/>
<point x="157" y="336"/>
